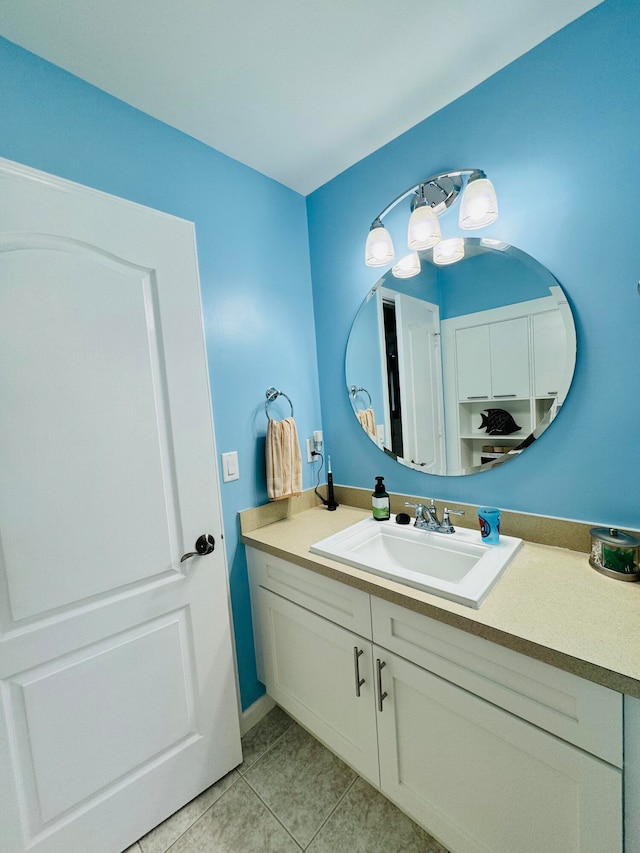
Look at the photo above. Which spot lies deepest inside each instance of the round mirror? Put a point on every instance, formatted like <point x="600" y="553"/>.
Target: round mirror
<point x="463" y="366"/>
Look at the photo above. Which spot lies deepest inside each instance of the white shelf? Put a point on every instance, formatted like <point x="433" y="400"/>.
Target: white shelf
<point x="514" y="436"/>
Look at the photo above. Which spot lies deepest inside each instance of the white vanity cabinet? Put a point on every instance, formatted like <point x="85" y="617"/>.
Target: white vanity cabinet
<point x="323" y="675"/>
<point x="489" y="750"/>
<point x="315" y="668"/>
<point x="459" y="753"/>
<point x="484" y="781"/>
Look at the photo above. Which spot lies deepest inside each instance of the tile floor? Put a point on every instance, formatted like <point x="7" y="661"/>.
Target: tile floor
<point x="289" y="794"/>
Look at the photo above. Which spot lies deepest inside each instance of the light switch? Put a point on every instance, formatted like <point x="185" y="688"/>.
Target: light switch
<point x="230" y="469"/>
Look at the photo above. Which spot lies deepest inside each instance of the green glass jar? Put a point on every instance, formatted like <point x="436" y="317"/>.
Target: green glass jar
<point x="615" y="553"/>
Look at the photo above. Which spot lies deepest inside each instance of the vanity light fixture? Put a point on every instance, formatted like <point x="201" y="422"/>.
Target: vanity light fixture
<point x="424" y="229"/>
<point x="479" y="205"/>
<point x="379" y="251"/>
<point x="448" y="251"/>
<point x="431" y="197"/>
<point x="407" y="267"/>
<point x="491" y="243"/>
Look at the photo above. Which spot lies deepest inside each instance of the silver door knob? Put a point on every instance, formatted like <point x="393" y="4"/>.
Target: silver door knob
<point x="204" y="545"/>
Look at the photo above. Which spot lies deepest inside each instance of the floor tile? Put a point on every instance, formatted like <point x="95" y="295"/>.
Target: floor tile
<point x="163" y="836"/>
<point x="366" y="822"/>
<point x="237" y="823"/>
<point x="301" y="782"/>
<point x="262" y="736"/>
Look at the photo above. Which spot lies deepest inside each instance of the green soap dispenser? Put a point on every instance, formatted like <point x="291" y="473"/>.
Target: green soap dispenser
<point x="380" y="505"/>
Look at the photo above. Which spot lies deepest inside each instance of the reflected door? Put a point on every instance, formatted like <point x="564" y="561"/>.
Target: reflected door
<point x="420" y="370"/>
<point x="118" y="695"/>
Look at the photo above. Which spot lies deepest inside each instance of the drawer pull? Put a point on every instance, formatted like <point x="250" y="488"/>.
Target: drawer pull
<point x="356" y="665"/>
<point x="381" y="696"/>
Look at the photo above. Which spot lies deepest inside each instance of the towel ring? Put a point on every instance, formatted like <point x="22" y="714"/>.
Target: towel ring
<point x="273" y="394"/>
<point x="355" y="391"/>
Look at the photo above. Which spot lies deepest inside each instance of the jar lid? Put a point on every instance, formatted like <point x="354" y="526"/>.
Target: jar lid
<point x="613" y="536"/>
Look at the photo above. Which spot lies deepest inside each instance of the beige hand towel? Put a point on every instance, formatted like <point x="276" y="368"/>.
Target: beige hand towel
<point x="368" y="422"/>
<point x="284" y="462"/>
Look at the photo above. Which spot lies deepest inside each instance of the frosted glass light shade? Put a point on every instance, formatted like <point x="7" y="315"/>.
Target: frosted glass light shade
<point x="448" y="251"/>
<point x="379" y="248"/>
<point x="479" y="205"/>
<point x="407" y="267"/>
<point x="424" y="228"/>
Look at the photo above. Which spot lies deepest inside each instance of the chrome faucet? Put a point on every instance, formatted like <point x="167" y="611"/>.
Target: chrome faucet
<point x="427" y="517"/>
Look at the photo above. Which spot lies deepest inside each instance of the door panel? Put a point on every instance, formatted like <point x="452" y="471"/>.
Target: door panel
<point x="118" y="698"/>
<point x="105" y="680"/>
<point x="81" y="331"/>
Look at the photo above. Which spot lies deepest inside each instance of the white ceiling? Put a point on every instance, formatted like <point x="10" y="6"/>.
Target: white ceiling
<point x="297" y="89"/>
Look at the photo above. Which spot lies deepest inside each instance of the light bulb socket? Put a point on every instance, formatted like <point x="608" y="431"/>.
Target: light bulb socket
<point x="419" y="199"/>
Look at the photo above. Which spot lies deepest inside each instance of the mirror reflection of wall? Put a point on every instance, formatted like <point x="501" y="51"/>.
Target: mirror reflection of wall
<point x="366" y="388"/>
<point x="462" y="367"/>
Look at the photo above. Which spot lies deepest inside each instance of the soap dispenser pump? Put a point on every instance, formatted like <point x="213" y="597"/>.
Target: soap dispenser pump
<point x="380" y="504"/>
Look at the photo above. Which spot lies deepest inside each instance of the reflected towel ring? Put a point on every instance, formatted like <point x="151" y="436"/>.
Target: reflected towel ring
<point x="355" y="391"/>
<point x="273" y="394"/>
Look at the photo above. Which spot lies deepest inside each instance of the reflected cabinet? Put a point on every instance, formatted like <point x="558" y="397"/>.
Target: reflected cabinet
<point x="502" y="384"/>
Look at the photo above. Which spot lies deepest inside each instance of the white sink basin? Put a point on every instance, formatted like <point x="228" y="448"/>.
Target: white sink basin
<point x="457" y="566"/>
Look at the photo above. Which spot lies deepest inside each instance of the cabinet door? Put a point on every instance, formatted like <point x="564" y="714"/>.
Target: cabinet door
<point x="311" y="670"/>
<point x="483" y="781"/>
<point x="549" y="354"/>
<point x="473" y="363"/>
<point x="510" y="358"/>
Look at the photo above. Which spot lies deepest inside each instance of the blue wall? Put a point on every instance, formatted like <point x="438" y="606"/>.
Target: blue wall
<point x="558" y="132"/>
<point x="257" y="299"/>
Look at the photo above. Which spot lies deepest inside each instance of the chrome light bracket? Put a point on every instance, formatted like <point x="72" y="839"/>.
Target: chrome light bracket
<point x="438" y="191"/>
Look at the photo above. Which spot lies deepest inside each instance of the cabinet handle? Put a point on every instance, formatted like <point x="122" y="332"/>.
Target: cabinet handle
<point x="479" y="397"/>
<point x="381" y="696"/>
<point x="356" y="665"/>
<point x="499" y="396"/>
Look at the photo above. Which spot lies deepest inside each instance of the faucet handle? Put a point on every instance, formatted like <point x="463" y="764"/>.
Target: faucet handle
<point x="447" y="512"/>
<point x="419" y="508"/>
<point x="446" y="526"/>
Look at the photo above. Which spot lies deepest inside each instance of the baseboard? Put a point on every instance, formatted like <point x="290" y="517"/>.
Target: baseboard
<point x="254" y="713"/>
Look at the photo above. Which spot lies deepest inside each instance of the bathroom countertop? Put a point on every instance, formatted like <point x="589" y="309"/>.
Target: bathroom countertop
<point x="549" y="604"/>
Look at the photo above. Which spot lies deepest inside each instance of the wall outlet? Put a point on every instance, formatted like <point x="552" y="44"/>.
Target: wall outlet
<point x="310" y="456"/>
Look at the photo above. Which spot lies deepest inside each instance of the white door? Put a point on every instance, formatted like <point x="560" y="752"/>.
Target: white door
<point x="420" y="369"/>
<point x="118" y="699"/>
